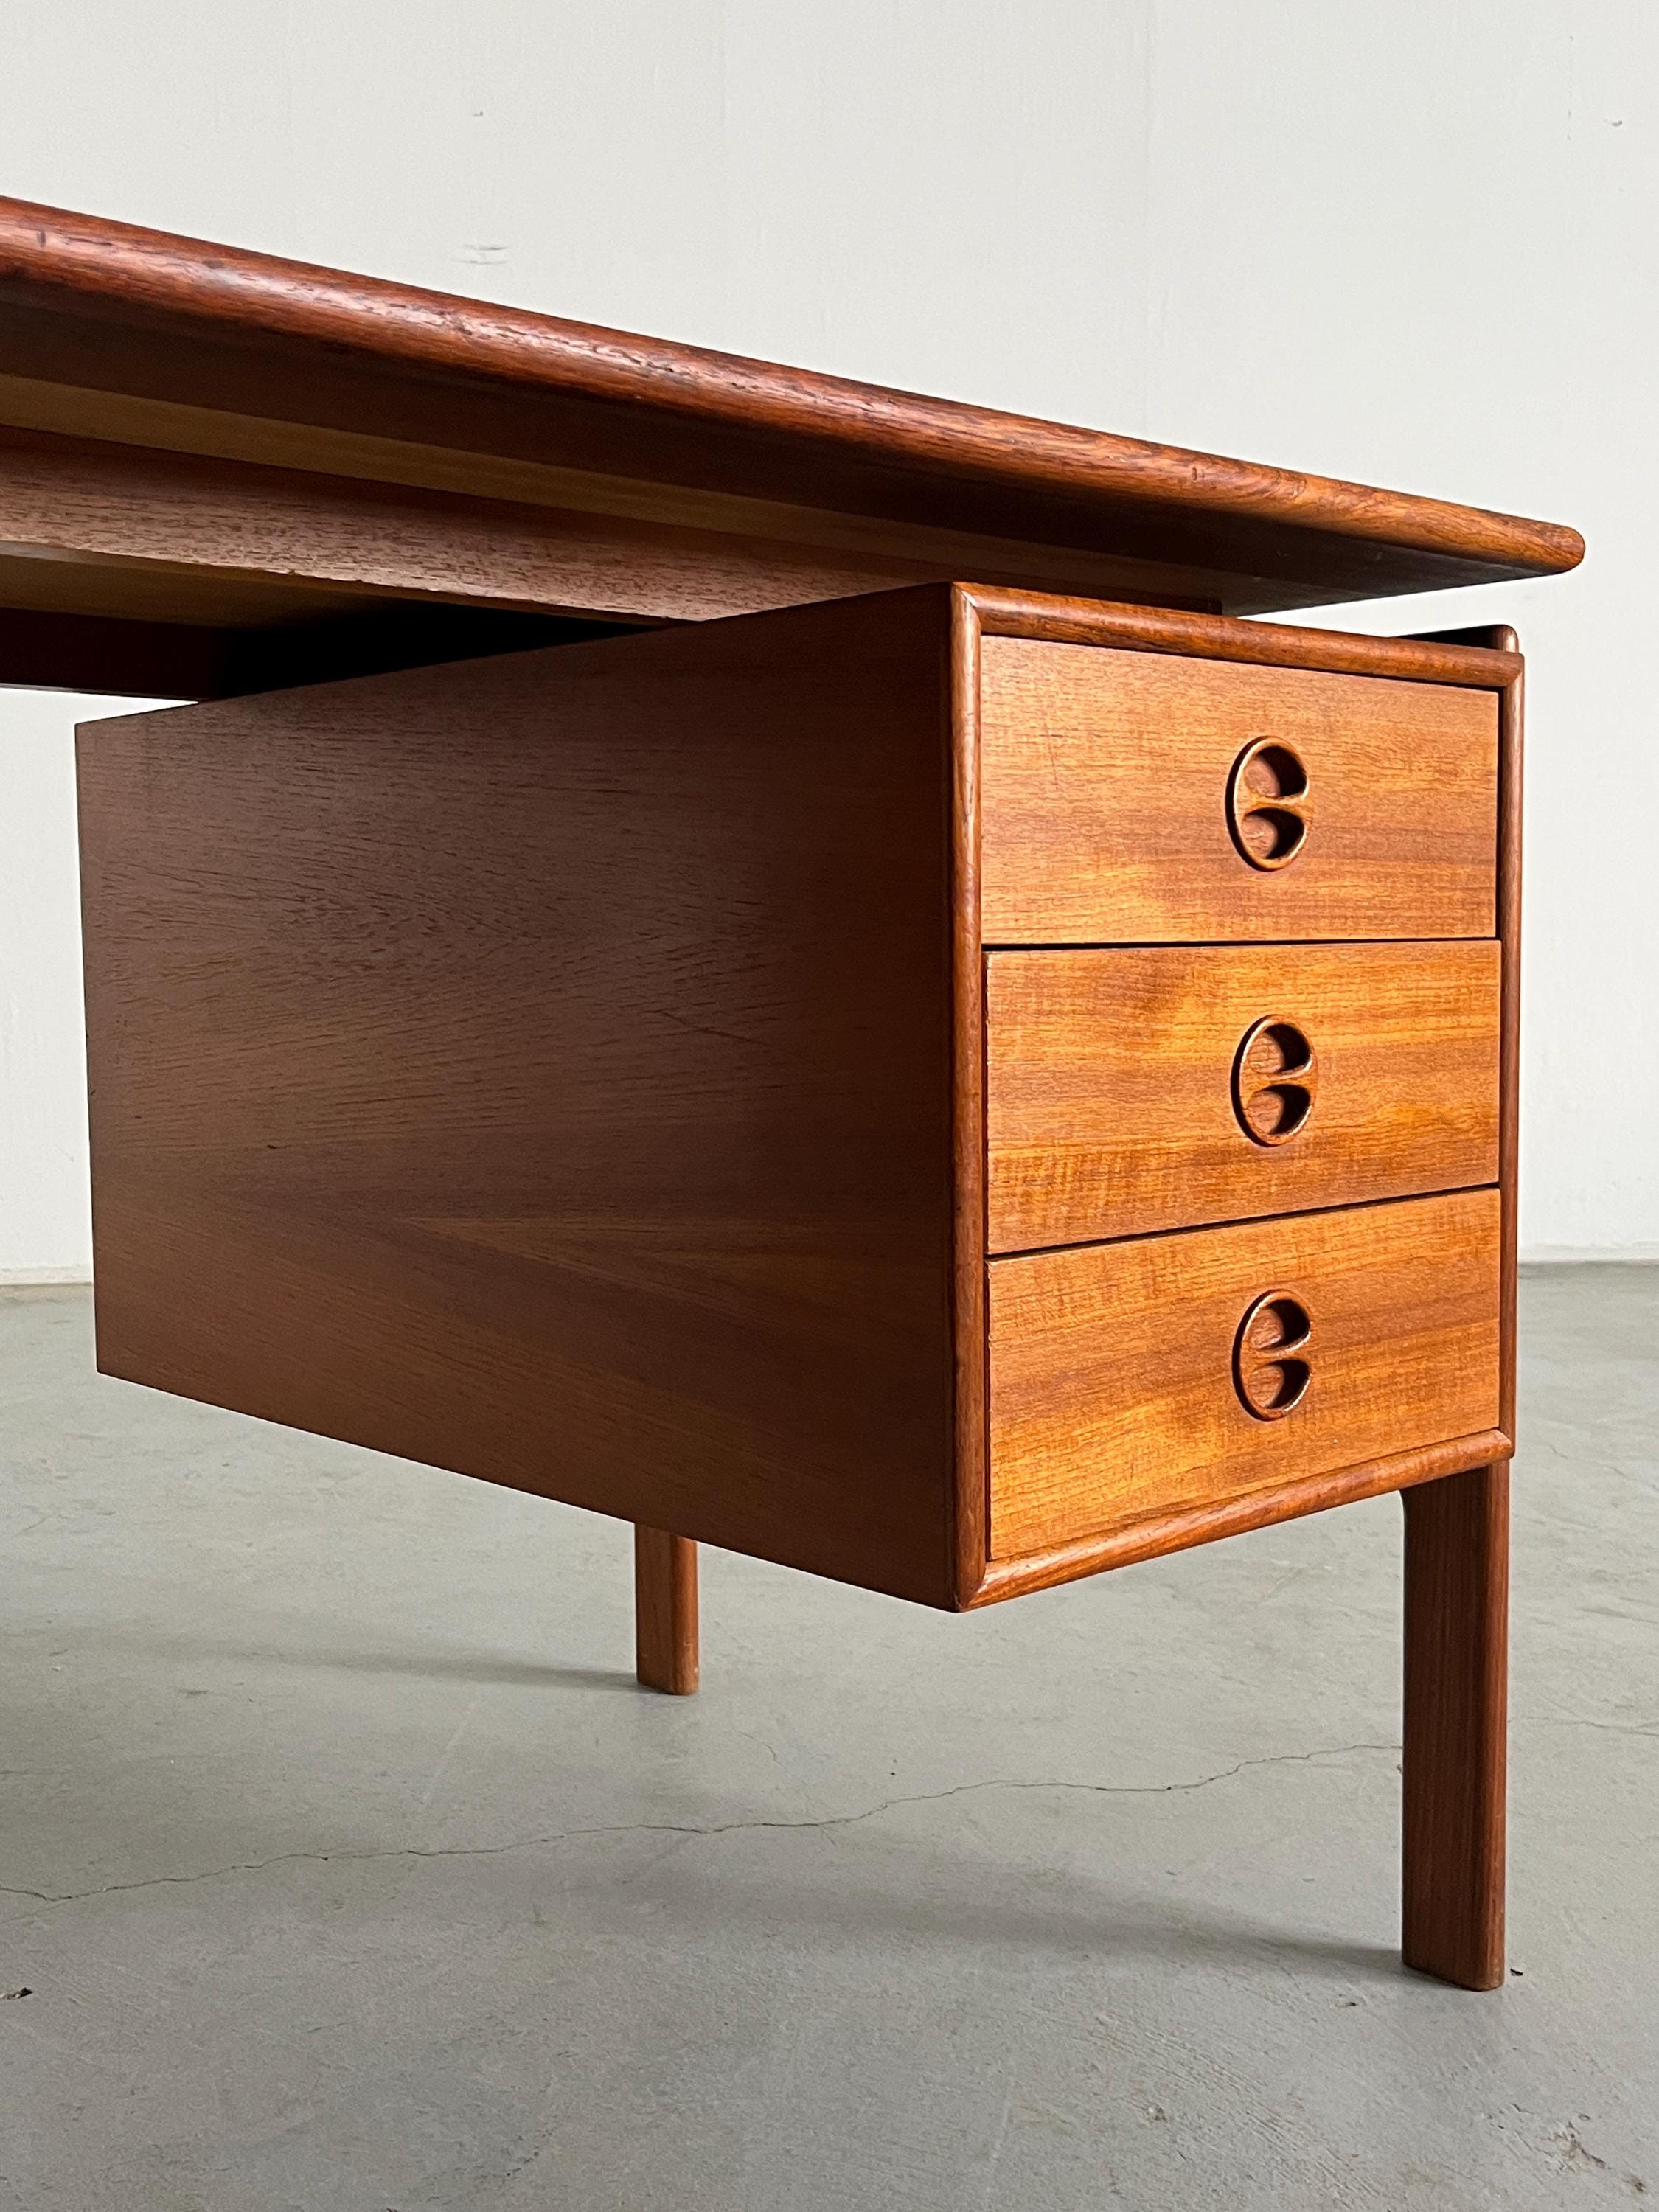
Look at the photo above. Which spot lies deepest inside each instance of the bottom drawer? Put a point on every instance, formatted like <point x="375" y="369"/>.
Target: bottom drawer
<point x="1164" y="1372"/>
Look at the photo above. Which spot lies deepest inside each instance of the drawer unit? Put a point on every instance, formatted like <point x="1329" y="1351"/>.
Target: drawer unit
<point x="1248" y="1000"/>
<point x="1166" y="1373"/>
<point x="1148" y="798"/>
<point x="827" y="1083"/>
<point x="1140" y="1088"/>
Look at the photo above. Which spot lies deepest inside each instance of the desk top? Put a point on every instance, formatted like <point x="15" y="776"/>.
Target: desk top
<point x="264" y="381"/>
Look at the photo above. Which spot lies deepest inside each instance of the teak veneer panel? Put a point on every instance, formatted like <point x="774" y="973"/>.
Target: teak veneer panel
<point x="1105" y="777"/>
<point x="1111" y="1389"/>
<point x="1110" y="1090"/>
<point x="540" y="1068"/>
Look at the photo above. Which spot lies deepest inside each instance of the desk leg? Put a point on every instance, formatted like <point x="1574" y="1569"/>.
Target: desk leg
<point x="1456" y="1722"/>
<point x="666" y="1611"/>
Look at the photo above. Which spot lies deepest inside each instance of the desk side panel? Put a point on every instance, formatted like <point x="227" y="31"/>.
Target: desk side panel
<point x="541" y="1068"/>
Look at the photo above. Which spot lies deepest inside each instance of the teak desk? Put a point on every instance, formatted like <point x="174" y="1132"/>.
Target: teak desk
<point x="635" y="983"/>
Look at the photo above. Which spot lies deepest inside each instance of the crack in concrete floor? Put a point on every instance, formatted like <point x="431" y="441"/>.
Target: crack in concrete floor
<point x="694" y="1828"/>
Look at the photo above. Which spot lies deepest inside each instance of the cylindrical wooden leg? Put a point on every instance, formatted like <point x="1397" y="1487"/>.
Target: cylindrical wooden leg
<point x="1457" y="1572"/>
<point x="666" y="1611"/>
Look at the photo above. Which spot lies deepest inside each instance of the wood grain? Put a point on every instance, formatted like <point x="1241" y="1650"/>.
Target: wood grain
<point x="1455" y="1762"/>
<point x="542" y="1067"/>
<point x="1456" y="1700"/>
<point x="1465" y="657"/>
<point x="1187" y="1526"/>
<point x="84" y="504"/>
<point x="969" y="1533"/>
<point x="93" y="526"/>
<point x="1111" y="1391"/>
<point x="665" y="1647"/>
<point x="88" y="303"/>
<point x="118" y="418"/>
<point x="1109" y="1090"/>
<point x="1105" y="786"/>
<point x="1511" y="726"/>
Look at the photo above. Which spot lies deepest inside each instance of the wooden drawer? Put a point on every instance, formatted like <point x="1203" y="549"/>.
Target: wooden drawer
<point x="1142" y="797"/>
<point x="1118" y="1372"/>
<point x="1140" y="1088"/>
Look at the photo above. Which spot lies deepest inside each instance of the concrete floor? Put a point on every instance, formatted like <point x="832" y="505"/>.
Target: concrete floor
<point x="346" y="1869"/>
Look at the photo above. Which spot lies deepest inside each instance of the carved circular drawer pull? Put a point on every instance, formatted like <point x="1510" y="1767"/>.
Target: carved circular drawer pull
<point x="1269" y="805"/>
<point x="1272" y="1356"/>
<point x="1275" y="1081"/>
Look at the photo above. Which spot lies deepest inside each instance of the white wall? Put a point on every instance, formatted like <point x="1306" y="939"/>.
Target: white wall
<point x="1414" y="242"/>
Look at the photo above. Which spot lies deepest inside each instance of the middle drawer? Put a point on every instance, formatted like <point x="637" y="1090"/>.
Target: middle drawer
<point x="1138" y="1088"/>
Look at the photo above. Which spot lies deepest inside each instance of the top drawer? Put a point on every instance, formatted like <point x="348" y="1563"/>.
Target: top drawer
<point x="1141" y="798"/>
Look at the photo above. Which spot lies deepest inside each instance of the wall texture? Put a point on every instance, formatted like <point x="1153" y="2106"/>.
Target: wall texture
<point x="1414" y="244"/>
